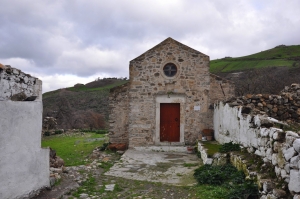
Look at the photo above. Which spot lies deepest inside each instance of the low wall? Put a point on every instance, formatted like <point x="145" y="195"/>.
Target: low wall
<point x="273" y="145"/>
<point x="284" y="107"/>
<point x="24" y="165"/>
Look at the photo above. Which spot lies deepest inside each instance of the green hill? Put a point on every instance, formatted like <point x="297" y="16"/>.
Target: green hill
<point x="81" y="106"/>
<point x="280" y="56"/>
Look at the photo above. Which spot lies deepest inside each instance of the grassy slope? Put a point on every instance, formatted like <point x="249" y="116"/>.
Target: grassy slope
<point x="73" y="149"/>
<point x="107" y="87"/>
<point x="278" y="56"/>
<point x="84" y="88"/>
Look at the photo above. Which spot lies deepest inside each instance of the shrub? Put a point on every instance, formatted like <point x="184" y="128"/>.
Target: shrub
<point x="58" y="132"/>
<point x="227" y="147"/>
<point x="215" y="175"/>
<point x="248" y="189"/>
<point x="47" y="133"/>
<point x="227" y="176"/>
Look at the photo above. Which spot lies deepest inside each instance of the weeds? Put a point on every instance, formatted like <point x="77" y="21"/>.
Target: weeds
<point x="227" y="147"/>
<point x="190" y="164"/>
<point x="106" y="166"/>
<point x="227" y="177"/>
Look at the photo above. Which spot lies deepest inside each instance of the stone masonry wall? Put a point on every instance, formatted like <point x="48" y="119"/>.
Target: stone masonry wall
<point x="220" y="89"/>
<point x="147" y="81"/>
<point x="284" y="107"/>
<point x="18" y="86"/>
<point x="279" y="148"/>
<point x="24" y="165"/>
<point x="118" y="117"/>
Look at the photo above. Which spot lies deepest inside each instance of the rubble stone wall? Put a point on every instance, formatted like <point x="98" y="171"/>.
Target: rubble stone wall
<point x="118" y="116"/>
<point x="24" y="164"/>
<point x="284" y="107"/>
<point x="275" y="146"/>
<point x="18" y="86"/>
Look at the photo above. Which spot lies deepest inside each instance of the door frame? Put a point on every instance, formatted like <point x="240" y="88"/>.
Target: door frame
<point x="174" y="98"/>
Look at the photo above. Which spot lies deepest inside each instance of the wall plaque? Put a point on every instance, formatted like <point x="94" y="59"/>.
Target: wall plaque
<point x="196" y="108"/>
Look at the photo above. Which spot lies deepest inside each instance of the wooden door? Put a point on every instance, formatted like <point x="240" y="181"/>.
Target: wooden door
<point x="169" y="122"/>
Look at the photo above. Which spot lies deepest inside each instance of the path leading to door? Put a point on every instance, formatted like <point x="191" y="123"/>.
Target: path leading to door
<point x="156" y="166"/>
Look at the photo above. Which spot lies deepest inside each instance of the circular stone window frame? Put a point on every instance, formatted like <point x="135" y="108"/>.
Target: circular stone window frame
<point x="170" y="62"/>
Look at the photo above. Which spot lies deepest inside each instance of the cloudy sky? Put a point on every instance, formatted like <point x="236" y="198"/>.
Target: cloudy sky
<point x="64" y="42"/>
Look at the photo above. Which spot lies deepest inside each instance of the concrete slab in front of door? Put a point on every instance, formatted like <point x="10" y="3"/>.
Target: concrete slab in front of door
<point x="165" y="167"/>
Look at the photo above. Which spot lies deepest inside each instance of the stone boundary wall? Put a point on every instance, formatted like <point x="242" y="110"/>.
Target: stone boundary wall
<point x="273" y="145"/>
<point x="284" y="107"/>
<point x="16" y="85"/>
<point x="24" y="165"/>
<point x="118" y="116"/>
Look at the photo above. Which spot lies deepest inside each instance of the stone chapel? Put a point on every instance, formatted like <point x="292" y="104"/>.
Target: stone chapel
<point x="169" y="98"/>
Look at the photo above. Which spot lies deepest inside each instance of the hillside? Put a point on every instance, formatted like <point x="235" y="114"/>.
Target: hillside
<point x="81" y="106"/>
<point x="86" y="106"/>
<point x="264" y="72"/>
<point x="279" y="56"/>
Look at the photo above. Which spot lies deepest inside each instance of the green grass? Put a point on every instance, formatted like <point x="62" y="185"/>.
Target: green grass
<point x="73" y="149"/>
<point x="237" y="65"/>
<point x="279" y="57"/>
<point x="212" y="147"/>
<point x="228" y="147"/>
<point x="106" y="166"/>
<point x="211" y="192"/>
<point x="190" y="164"/>
<point x="277" y="52"/>
<point x="84" y="88"/>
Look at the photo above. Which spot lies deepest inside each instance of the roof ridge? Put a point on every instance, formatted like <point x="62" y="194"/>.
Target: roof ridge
<point x="165" y="41"/>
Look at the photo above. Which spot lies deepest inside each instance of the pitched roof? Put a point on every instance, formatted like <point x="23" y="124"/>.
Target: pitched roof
<point x="170" y="40"/>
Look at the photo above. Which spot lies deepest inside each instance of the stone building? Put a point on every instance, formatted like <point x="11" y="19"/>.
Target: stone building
<point x="168" y="99"/>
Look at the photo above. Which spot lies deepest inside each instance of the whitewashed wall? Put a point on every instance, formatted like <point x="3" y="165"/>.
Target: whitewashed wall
<point x="24" y="165"/>
<point x="280" y="148"/>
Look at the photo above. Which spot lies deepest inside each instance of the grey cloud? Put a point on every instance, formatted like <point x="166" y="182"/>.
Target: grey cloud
<point x="100" y="37"/>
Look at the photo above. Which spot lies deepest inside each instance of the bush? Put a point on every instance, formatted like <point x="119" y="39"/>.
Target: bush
<point x="248" y="189"/>
<point x="215" y="175"/>
<point x="227" y="147"/>
<point x="47" y="133"/>
<point x="58" y="132"/>
<point x="228" y="177"/>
